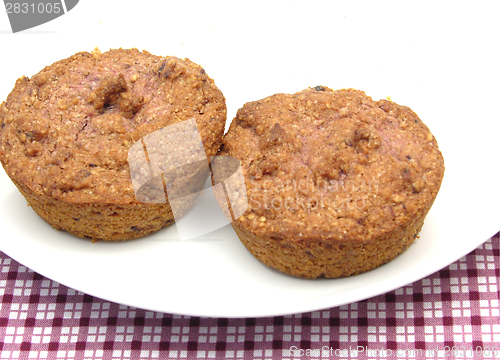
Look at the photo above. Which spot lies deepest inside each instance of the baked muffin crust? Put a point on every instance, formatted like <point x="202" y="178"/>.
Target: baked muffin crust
<point x="66" y="133"/>
<point x="337" y="183"/>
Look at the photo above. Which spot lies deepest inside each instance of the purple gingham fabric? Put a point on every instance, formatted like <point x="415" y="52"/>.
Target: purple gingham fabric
<point x="452" y="314"/>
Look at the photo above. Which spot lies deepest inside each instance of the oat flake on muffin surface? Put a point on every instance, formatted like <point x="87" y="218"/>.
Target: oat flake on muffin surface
<point x="65" y="135"/>
<point x="337" y="183"/>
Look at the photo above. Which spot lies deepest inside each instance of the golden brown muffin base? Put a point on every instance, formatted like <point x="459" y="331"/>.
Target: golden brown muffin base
<point x="122" y="222"/>
<point x="328" y="258"/>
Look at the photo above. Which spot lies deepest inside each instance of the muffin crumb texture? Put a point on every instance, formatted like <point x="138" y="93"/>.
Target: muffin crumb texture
<point x="337" y="183"/>
<point x="66" y="133"/>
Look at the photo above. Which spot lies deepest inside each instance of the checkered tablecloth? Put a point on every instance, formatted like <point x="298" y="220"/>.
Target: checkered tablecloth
<point x="453" y="313"/>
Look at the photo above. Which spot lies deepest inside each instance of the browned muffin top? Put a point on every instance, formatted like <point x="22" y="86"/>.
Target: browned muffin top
<point x="66" y="131"/>
<point x="324" y="164"/>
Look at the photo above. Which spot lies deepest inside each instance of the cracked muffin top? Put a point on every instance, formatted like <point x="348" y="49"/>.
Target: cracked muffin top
<point x="324" y="164"/>
<point x="66" y="132"/>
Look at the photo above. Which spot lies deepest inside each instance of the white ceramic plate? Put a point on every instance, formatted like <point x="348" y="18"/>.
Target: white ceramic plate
<point x="446" y="72"/>
<point x="214" y="275"/>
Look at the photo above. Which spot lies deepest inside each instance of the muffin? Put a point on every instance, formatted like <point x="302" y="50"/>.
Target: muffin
<point x="72" y="135"/>
<point x="337" y="184"/>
